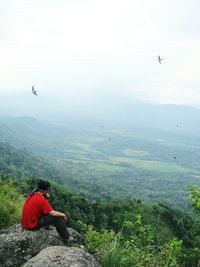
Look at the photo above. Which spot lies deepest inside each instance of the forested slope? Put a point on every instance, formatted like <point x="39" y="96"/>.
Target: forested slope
<point x="20" y="164"/>
<point x="108" y="161"/>
<point x="120" y="232"/>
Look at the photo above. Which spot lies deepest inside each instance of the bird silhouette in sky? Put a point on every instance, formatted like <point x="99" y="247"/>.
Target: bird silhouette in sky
<point x="174" y="157"/>
<point x="33" y="91"/>
<point x="160" y="59"/>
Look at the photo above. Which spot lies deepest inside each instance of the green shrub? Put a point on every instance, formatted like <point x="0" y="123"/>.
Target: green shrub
<point x="10" y="203"/>
<point x="195" y="199"/>
<point x="95" y="241"/>
<point x="134" y="245"/>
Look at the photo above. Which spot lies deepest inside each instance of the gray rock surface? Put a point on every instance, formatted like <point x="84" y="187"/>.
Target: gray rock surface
<point x="17" y="246"/>
<point x="62" y="256"/>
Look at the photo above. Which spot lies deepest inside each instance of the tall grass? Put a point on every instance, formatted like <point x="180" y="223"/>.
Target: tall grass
<point x="135" y="246"/>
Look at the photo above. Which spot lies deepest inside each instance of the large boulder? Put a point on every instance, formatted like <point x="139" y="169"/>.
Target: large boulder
<point x="63" y="257"/>
<point x="17" y="246"/>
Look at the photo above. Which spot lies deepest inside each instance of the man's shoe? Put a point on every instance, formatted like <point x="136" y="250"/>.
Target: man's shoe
<point x="67" y="241"/>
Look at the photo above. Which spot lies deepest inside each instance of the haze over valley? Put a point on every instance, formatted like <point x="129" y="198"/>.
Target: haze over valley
<point x="145" y="151"/>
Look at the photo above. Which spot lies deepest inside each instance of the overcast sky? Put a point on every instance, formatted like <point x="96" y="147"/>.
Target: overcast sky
<point x="89" y="50"/>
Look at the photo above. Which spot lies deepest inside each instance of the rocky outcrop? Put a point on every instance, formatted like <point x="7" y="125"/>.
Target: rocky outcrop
<point x="63" y="257"/>
<point x="17" y="246"/>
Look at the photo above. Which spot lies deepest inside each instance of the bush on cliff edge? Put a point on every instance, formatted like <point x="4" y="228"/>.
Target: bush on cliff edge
<point x="11" y="202"/>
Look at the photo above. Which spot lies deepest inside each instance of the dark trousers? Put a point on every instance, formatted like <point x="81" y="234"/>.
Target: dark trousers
<point x="58" y="222"/>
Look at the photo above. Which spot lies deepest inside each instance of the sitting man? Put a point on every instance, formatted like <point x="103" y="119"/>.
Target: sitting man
<point x="37" y="212"/>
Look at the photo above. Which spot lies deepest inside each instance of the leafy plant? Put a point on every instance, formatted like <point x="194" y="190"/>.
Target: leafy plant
<point x="134" y="245"/>
<point x="11" y="202"/>
<point x="195" y="198"/>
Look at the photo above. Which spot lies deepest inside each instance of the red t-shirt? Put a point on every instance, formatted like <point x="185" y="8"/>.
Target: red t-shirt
<point x="34" y="207"/>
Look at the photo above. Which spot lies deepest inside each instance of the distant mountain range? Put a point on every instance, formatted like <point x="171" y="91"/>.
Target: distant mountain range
<point x="117" y="111"/>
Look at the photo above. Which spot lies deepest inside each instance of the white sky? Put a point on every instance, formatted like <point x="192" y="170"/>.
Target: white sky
<point x="102" y="49"/>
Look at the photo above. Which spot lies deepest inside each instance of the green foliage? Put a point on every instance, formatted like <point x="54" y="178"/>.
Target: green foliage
<point x="193" y="253"/>
<point x="138" y="232"/>
<point x="96" y="241"/>
<point x="134" y="245"/>
<point x="11" y="203"/>
<point x="20" y="164"/>
<point x="195" y="198"/>
<point x="123" y="233"/>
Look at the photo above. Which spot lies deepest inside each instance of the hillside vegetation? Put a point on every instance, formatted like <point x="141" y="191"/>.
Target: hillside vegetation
<point x="107" y="161"/>
<point x="120" y="233"/>
<point x="11" y="201"/>
<point x="121" y="185"/>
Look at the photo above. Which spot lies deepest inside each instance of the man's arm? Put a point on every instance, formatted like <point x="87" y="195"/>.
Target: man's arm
<point x="58" y="214"/>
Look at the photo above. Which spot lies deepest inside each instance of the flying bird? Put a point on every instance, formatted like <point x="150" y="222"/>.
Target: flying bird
<point x="174" y="157"/>
<point x="33" y="91"/>
<point x="159" y="59"/>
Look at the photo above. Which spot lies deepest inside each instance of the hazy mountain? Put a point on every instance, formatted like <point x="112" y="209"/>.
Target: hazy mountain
<point x="113" y="111"/>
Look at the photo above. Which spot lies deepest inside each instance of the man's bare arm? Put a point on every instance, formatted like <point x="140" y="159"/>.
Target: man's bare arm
<point x="58" y="214"/>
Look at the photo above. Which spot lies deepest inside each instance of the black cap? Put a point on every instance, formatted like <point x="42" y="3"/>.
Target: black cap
<point x="43" y="185"/>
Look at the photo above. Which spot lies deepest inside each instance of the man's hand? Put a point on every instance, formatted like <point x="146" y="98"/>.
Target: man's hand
<point x="47" y="195"/>
<point x="65" y="217"/>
